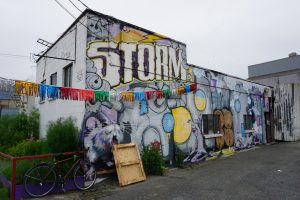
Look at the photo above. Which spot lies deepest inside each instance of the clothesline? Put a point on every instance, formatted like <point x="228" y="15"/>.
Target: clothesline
<point x="56" y="92"/>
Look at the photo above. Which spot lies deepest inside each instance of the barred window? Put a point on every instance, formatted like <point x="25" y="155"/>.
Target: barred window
<point x="210" y="123"/>
<point x="53" y="79"/>
<point x="68" y="76"/>
<point x="248" y="122"/>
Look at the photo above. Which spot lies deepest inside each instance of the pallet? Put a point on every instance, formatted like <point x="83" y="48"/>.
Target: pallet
<point x="128" y="164"/>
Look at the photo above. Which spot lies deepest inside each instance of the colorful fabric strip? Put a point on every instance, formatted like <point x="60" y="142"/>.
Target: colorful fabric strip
<point x="112" y="96"/>
<point x="101" y="96"/>
<point x="74" y="94"/>
<point x="139" y="96"/>
<point x="86" y="95"/>
<point x="166" y="93"/>
<point x="42" y="90"/>
<point x="27" y="88"/>
<point x="52" y="92"/>
<point x="64" y="93"/>
<point x="127" y="96"/>
<point x="150" y="95"/>
<point x="180" y="90"/>
<point x="174" y="92"/>
<point x="193" y="87"/>
<point x="143" y="107"/>
<point x="187" y="88"/>
<point x="159" y="94"/>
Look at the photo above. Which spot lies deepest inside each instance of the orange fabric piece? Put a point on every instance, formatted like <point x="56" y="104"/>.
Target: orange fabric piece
<point x="27" y="88"/>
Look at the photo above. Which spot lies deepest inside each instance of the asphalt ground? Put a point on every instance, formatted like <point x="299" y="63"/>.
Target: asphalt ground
<point x="264" y="172"/>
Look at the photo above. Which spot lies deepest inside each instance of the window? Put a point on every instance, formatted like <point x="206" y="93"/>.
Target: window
<point x="42" y="97"/>
<point x="68" y="76"/>
<point x="210" y="123"/>
<point x="248" y="122"/>
<point x="53" y="79"/>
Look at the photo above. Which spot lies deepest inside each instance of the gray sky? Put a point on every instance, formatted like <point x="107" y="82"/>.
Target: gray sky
<point x="223" y="35"/>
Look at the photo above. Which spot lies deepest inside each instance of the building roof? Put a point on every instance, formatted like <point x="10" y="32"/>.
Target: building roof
<point x="276" y="66"/>
<point x="5" y="96"/>
<point x="232" y="76"/>
<point x="85" y="12"/>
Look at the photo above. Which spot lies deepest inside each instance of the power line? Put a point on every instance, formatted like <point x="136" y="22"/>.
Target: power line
<point x="75" y="18"/>
<point x="58" y="58"/>
<point x="178" y="79"/>
<point x="84" y="4"/>
<point x="75" y="6"/>
<point x="64" y="8"/>
<point x="14" y="55"/>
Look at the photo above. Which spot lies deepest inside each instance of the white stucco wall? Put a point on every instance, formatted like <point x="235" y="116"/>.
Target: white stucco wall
<point x="51" y="110"/>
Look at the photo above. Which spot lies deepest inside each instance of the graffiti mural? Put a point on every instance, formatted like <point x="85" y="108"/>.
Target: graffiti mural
<point x="286" y="112"/>
<point x="122" y="57"/>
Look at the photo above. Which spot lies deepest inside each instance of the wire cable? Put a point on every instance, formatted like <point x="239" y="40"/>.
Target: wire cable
<point x="84" y="4"/>
<point x="14" y="55"/>
<point x="75" y="17"/>
<point x="63" y="7"/>
<point x="172" y="77"/>
<point x="75" y="6"/>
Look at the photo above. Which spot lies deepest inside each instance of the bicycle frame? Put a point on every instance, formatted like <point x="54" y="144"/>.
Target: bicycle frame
<point x="71" y="169"/>
<point x="53" y="166"/>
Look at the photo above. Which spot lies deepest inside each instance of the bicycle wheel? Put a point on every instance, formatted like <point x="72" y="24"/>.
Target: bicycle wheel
<point x="84" y="176"/>
<point x="39" y="180"/>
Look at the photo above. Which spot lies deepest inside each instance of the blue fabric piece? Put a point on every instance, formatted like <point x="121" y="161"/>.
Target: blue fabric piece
<point x="136" y="95"/>
<point x="139" y="96"/>
<point x="52" y="92"/>
<point x="143" y="107"/>
<point x="187" y="88"/>
<point x="42" y="90"/>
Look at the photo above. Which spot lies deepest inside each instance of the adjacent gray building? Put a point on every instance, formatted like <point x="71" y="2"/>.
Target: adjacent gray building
<point x="284" y="76"/>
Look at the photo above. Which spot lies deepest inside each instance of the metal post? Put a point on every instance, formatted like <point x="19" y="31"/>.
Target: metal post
<point x="13" y="180"/>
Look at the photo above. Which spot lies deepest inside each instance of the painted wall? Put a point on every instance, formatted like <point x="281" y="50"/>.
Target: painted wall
<point x="287" y="112"/>
<point x="121" y="57"/>
<point x="51" y="110"/>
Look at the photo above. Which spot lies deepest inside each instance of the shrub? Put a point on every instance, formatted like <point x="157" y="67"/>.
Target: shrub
<point x="14" y="129"/>
<point x="29" y="147"/>
<point x="34" y="123"/>
<point x="4" y="193"/>
<point x="153" y="159"/>
<point x="22" y="167"/>
<point x="62" y="136"/>
<point x="179" y="157"/>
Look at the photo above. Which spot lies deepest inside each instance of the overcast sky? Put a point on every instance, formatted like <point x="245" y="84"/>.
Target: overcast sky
<point x="223" y="35"/>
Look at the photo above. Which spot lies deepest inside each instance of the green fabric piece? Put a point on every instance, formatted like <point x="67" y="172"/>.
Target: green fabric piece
<point x="101" y="96"/>
<point x="166" y="93"/>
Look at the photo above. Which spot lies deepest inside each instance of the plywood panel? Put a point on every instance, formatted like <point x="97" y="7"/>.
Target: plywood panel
<point x="128" y="164"/>
<point x="228" y="137"/>
<point x="227" y="118"/>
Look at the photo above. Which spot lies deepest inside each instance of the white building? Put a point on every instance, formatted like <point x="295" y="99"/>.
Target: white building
<point x="70" y="73"/>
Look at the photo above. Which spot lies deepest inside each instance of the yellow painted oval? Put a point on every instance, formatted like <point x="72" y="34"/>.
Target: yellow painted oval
<point x="182" y="124"/>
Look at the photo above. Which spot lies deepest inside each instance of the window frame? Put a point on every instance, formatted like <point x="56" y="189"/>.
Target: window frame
<point x="51" y="78"/>
<point x="67" y="81"/>
<point x="247" y="119"/>
<point x="210" y="122"/>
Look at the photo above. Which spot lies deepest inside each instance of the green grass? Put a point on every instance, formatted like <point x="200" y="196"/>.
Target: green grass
<point x="4" y="164"/>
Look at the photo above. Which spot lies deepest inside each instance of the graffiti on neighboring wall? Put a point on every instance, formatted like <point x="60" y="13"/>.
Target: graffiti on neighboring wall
<point x="122" y="58"/>
<point x="7" y="86"/>
<point x="284" y="112"/>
